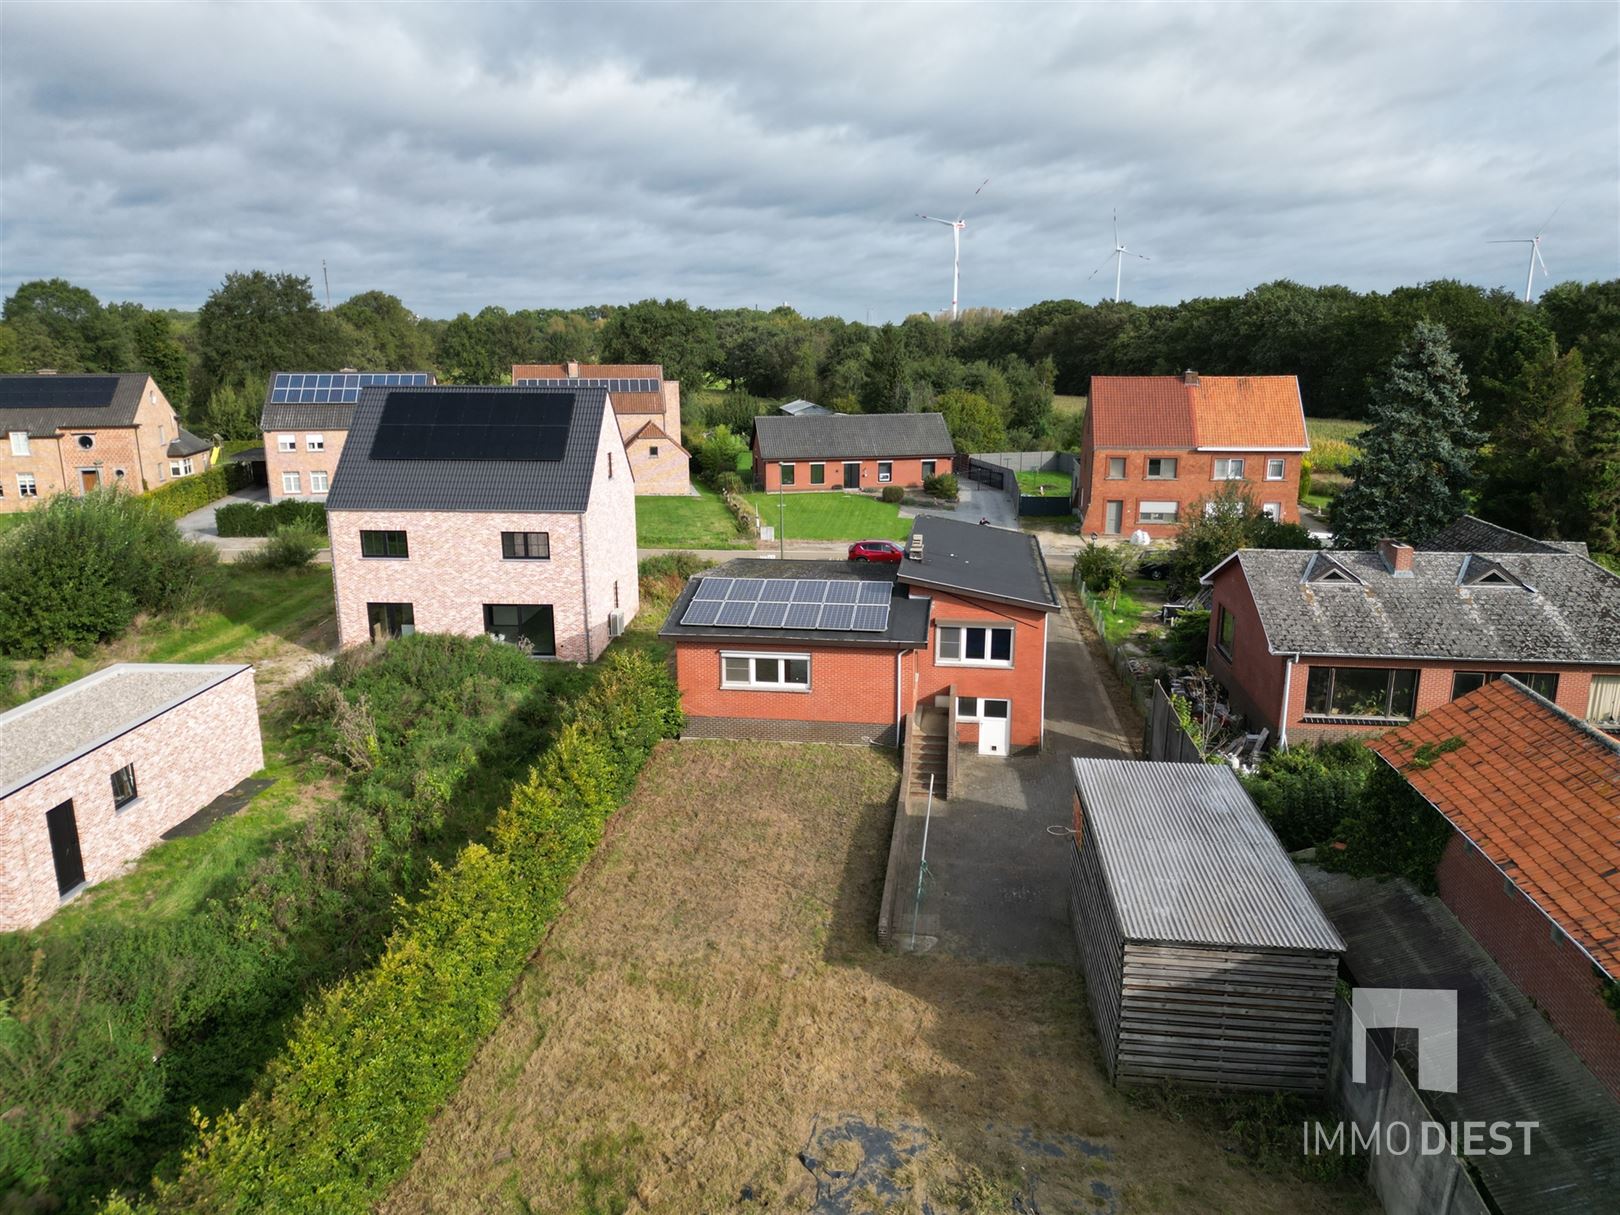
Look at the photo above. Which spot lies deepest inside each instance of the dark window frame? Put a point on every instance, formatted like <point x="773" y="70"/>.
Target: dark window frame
<point x="787" y="472"/>
<point x="386" y="542"/>
<point x="392" y="617"/>
<point x="122" y="798"/>
<point x="522" y="626"/>
<point x="1175" y="468"/>
<point x="885" y="477"/>
<point x="1225" y="631"/>
<point x="512" y="542"/>
<point x="1320" y="693"/>
<point x="1536" y="681"/>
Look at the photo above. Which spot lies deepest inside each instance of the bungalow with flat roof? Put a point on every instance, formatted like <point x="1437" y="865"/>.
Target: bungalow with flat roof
<point x="1532" y="868"/>
<point x="1322" y="644"/>
<point x="306" y="419"/>
<point x="850" y="450"/>
<point x="834" y="651"/>
<point x="93" y="774"/>
<point x="76" y="433"/>
<point x="505" y="511"/>
<point x="648" y="408"/>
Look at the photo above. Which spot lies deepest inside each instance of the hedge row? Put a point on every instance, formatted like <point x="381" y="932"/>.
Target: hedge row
<point x="191" y="493"/>
<point x="344" y="1108"/>
<point x="258" y="519"/>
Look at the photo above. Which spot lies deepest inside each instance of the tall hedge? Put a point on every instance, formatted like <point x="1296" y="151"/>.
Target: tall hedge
<point x="261" y="519"/>
<point x="194" y="492"/>
<point x="343" y="1109"/>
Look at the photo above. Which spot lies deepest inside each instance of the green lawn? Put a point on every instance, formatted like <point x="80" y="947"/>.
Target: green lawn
<point x="1056" y="483"/>
<point x="1063" y="404"/>
<point x="832" y="516"/>
<point x="681" y="522"/>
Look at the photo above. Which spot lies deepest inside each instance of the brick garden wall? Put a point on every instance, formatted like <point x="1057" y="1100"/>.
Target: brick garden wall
<point x="1549" y="970"/>
<point x="183" y="759"/>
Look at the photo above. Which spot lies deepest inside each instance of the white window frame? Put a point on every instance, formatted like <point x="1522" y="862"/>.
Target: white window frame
<point x="753" y="683"/>
<point x="19" y="443"/>
<point x="815" y="466"/>
<point x="27" y="485"/>
<point x="1280" y="464"/>
<point x="978" y="708"/>
<point x="1602" y="690"/>
<point x="885" y="471"/>
<point x="1146" y="509"/>
<point x="318" y="481"/>
<point x="286" y="443"/>
<point x="314" y="442"/>
<point x="181" y="468"/>
<point x="787" y="473"/>
<point x="1175" y="468"/>
<point x="291" y="482"/>
<point x="1229" y="463"/>
<point x="961" y="631"/>
<point x="1272" y="510"/>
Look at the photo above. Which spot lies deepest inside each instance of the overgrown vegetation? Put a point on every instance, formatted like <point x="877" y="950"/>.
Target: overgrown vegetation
<point x="1103" y="569"/>
<point x="289" y="548"/>
<point x="117" y="1026"/>
<point x="77" y="571"/>
<point x="1306" y="792"/>
<point x="943" y="486"/>
<point x="343" y="1108"/>
<point x="1390" y="831"/>
<point x="261" y="519"/>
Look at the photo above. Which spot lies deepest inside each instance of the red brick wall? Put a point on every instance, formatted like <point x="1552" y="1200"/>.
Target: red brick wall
<point x="1552" y="972"/>
<point x="1021" y="683"/>
<point x="1195" y="473"/>
<point x="907" y="473"/>
<point x="1254" y="677"/>
<point x="846" y="685"/>
<point x="183" y="760"/>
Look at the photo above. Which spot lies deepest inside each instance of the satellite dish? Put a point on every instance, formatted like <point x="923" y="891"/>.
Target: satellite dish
<point x="1140" y="538"/>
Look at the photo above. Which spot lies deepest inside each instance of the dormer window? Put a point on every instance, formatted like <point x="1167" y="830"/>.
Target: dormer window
<point x="1483" y="572"/>
<point x="1322" y="569"/>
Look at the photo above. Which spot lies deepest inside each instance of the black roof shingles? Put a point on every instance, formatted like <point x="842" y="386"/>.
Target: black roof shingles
<point x="44" y="404"/>
<point x="853" y="436"/>
<point x="973" y="559"/>
<point x="1470" y="534"/>
<point x="1570" y="612"/>
<point x="908" y="618"/>
<point x="562" y="486"/>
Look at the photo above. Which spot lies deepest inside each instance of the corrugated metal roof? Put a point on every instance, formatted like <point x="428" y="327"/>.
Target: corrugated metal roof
<point x="1188" y="858"/>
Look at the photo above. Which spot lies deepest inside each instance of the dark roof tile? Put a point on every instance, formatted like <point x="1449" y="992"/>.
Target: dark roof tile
<point x="853" y="436"/>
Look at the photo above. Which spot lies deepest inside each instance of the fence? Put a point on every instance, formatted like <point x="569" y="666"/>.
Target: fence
<point x="1166" y="738"/>
<point x="1000" y="469"/>
<point x="1135" y="672"/>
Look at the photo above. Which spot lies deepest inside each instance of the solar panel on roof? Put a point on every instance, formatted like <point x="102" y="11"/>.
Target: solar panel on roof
<point x="769" y="615"/>
<point x="790" y="603"/>
<point x="871" y="618"/>
<point x="746" y="588"/>
<point x="800" y="616"/>
<point x="712" y="588"/>
<point x="837" y="616"/>
<point x="319" y="387"/>
<point x="874" y="592"/>
<point x="457" y="425"/>
<point x="58" y="391"/>
<point x="735" y="613"/>
<point x="612" y="385"/>
<point x="842" y="592"/>
<point x="810" y="590"/>
<point x="702" y="611"/>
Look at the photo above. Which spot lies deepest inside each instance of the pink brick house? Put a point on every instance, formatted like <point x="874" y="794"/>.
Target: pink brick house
<point x="306" y="421"/>
<point x="94" y="774"/>
<point x="505" y="511"/>
<point x="648" y="408"/>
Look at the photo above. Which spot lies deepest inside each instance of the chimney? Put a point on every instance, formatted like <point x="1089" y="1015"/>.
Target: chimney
<point x="1397" y="557"/>
<point x="571" y="370"/>
<point x="1190" y="378"/>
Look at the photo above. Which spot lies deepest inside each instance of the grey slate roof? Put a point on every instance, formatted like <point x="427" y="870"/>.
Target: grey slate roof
<point x="1473" y="535"/>
<point x="557" y="486"/>
<point x="42" y="404"/>
<point x="853" y="436"/>
<point x="990" y="562"/>
<point x="40" y="736"/>
<point x="908" y="618"/>
<point x="1188" y="858"/>
<point x="188" y="444"/>
<point x="1570" y="613"/>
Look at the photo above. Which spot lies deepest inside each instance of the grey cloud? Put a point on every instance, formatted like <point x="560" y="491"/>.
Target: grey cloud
<point x="471" y="154"/>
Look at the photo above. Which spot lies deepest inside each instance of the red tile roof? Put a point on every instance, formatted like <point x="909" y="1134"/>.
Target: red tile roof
<point x="1537" y="792"/>
<point x="1248" y="412"/>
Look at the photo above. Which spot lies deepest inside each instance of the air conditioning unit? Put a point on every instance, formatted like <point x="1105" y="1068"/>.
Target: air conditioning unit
<point x="615" y="624"/>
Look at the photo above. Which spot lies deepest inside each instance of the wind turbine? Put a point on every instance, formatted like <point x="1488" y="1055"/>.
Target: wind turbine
<point x="1119" y="255"/>
<point x="955" y="225"/>
<point x="1535" y="253"/>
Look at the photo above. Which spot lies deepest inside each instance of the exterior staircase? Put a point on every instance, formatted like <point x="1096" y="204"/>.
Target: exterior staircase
<point x="933" y="754"/>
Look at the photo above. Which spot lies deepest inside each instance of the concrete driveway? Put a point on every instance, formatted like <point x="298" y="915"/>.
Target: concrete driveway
<point x="997" y="880"/>
<point x="200" y="525"/>
<point x="976" y="502"/>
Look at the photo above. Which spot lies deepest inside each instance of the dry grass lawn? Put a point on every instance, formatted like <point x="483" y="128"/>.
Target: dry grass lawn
<point x="711" y="998"/>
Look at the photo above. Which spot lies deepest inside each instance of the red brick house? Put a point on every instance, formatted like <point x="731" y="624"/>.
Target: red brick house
<point x="1155" y="444"/>
<point x="306" y="419"/>
<point x="1532" y="870"/>
<point x="1322" y="644"/>
<point x="504" y="511"/>
<point x="76" y="433"/>
<point x="833" y="651"/>
<point x="648" y="408"/>
<point x="94" y="774"/>
<point x="850" y="450"/>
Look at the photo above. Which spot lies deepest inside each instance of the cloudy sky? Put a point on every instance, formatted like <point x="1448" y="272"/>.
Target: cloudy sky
<point x="755" y="154"/>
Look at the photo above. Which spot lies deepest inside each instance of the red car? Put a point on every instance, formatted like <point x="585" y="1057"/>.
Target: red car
<point x="876" y="550"/>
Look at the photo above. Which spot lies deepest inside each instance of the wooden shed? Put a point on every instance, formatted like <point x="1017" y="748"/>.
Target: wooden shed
<point x="1206" y="959"/>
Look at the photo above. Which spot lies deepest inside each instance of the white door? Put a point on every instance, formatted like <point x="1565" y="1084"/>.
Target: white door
<point x="993" y="736"/>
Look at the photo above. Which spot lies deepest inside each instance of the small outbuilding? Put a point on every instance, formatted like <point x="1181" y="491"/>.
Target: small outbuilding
<point x="93" y="774"/>
<point x="1207" y="961"/>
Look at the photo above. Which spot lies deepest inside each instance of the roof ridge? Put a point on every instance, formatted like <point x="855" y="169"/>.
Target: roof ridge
<point x="1606" y="741"/>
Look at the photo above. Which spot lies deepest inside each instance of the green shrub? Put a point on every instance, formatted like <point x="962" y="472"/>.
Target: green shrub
<point x="1186" y="642"/>
<point x="290" y="548"/>
<point x="1609" y="561"/>
<point x="717" y="453"/>
<point x="1390" y="832"/>
<point x="893" y="494"/>
<point x="344" y="1107"/>
<point x="1304" y="479"/>
<point x="259" y="519"/>
<point x="1306" y="792"/>
<point x="1104" y="568"/>
<point x="942" y="485"/>
<point x="663" y="576"/>
<point x="77" y="571"/>
<point x="729" y="483"/>
<point x="194" y="492"/>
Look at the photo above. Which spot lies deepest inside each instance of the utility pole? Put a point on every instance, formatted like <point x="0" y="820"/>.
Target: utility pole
<point x="325" y="278"/>
<point x="781" y="520"/>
